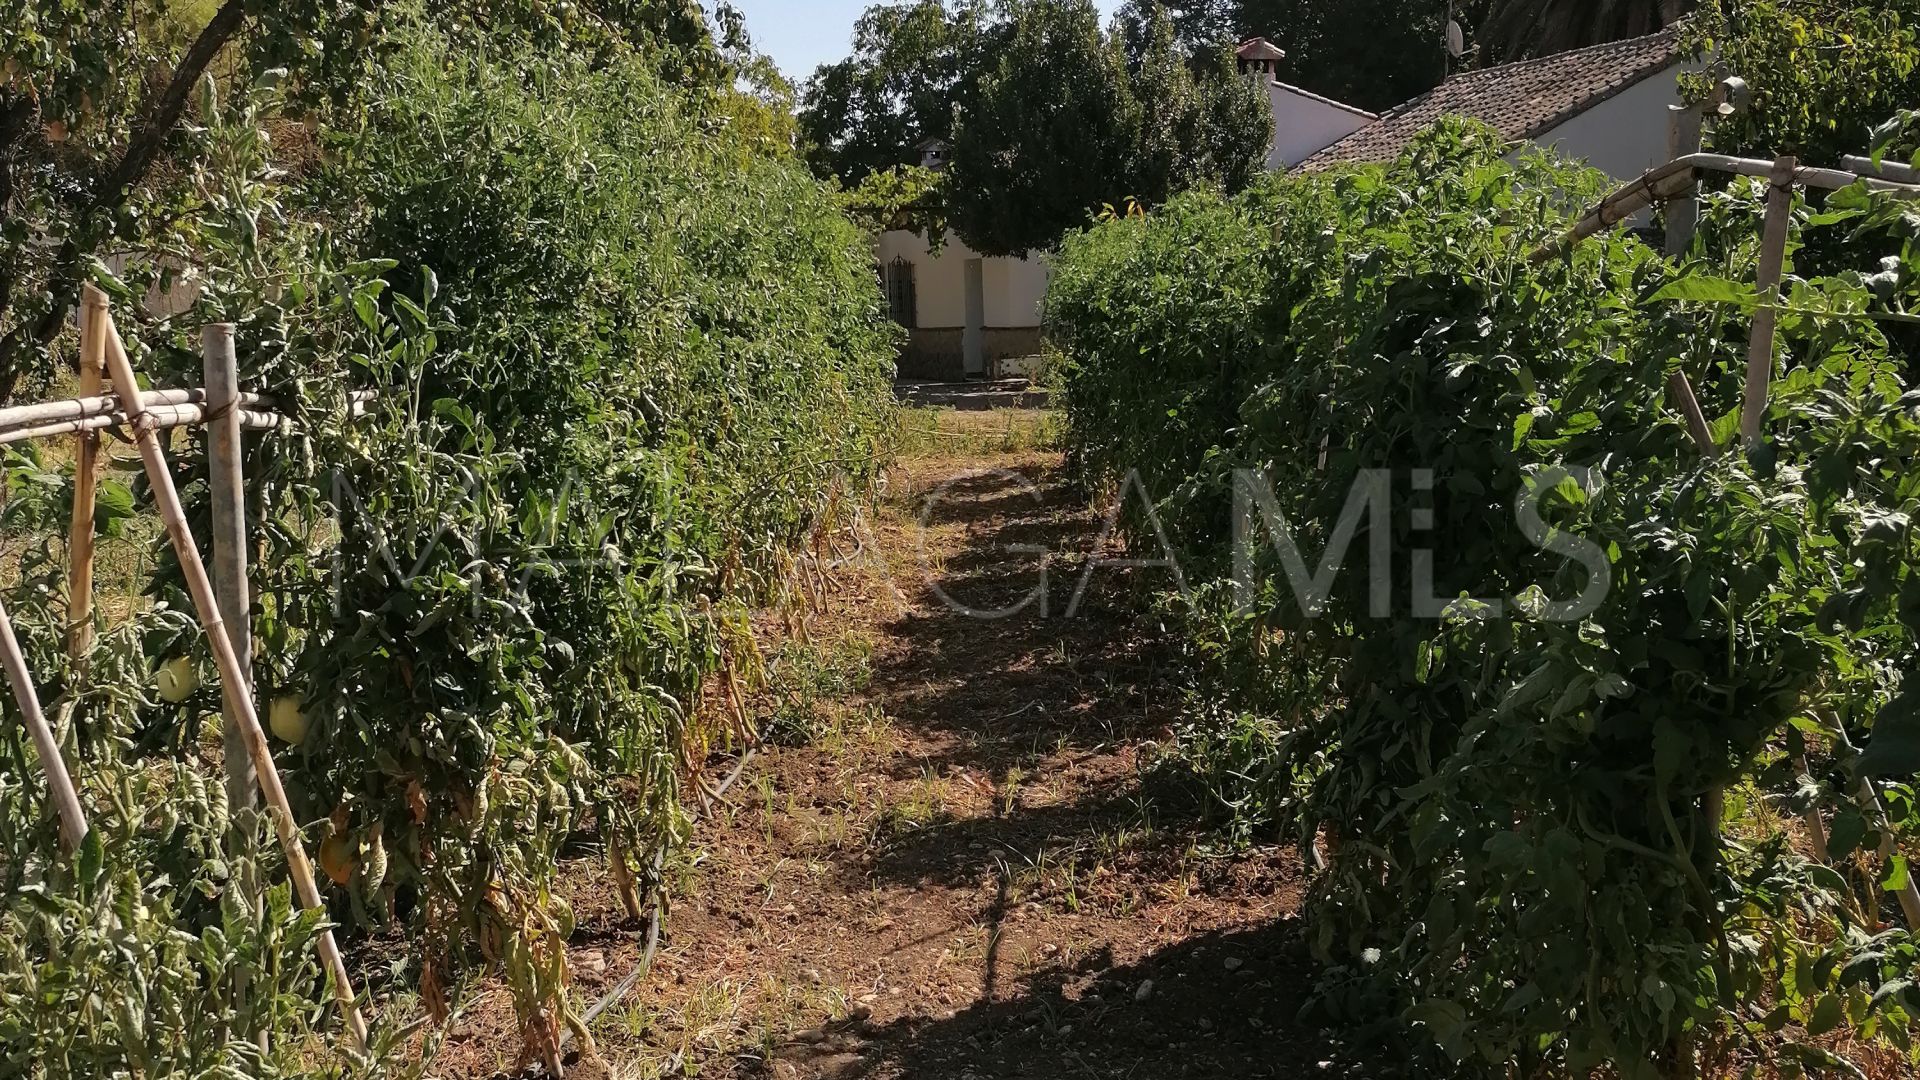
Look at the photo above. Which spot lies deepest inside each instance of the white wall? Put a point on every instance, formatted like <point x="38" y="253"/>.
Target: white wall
<point x="1304" y="125"/>
<point x="1014" y="287"/>
<point x="1625" y="135"/>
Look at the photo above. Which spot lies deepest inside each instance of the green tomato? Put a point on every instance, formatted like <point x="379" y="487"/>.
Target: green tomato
<point x="287" y="720"/>
<point x="176" y="680"/>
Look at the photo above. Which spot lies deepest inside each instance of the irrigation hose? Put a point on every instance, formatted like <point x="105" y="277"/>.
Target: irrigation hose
<point x="625" y="986"/>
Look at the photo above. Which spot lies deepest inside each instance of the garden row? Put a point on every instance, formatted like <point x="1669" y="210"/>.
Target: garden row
<point x="628" y="360"/>
<point x="1556" y="728"/>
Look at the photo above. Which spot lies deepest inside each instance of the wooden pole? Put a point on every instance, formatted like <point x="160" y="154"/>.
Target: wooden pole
<point x="1683" y="217"/>
<point x="160" y="417"/>
<point x="1766" y="320"/>
<point x="93" y="362"/>
<point x="102" y="404"/>
<point x="226" y="481"/>
<point x="233" y="678"/>
<point x="1685" y="137"/>
<point x="1676" y="178"/>
<point x="66" y="801"/>
<point x="1898" y="172"/>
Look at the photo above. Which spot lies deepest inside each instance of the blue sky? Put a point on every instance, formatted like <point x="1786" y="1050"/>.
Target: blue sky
<point x="801" y="35"/>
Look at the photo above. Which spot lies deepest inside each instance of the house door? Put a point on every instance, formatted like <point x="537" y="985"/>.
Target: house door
<point x="973" y="341"/>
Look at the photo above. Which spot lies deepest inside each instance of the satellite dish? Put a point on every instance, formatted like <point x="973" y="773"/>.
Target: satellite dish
<point x="1456" y="39"/>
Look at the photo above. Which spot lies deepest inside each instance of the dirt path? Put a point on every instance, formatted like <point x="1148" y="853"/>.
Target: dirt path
<point x="967" y="869"/>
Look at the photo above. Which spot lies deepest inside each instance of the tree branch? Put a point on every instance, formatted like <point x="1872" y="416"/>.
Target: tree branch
<point x="14" y="121"/>
<point x="162" y="118"/>
<point x="166" y="112"/>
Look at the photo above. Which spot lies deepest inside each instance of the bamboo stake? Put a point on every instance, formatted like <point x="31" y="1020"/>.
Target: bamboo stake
<point x="1909" y="894"/>
<point x="1683" y="218"/>
<point x="1685" y="135"/>
<point x="169" y="408"/>
<point x="109" y="404"/>
<point x="1816" y="825"/>
<point x="1766" y="320"/>
<point x="1681" y="391"/>
<point x="162" y="417"/>
<point x="73" y="818"/>
<point x="1676" y="178"/>
<point x="1886" y="170"/>
<point x="100" y="404"/>
<point x="233" y="680"/>
<point x="93" y="361"/>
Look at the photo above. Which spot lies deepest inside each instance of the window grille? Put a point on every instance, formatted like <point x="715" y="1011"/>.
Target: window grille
<point x="902" y="302"/>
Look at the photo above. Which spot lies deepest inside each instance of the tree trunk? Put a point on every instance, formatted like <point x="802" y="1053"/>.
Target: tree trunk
<point x="21" y="343"/>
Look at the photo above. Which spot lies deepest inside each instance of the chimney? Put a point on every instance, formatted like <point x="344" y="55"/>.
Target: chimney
<point x="1259" y="58"/>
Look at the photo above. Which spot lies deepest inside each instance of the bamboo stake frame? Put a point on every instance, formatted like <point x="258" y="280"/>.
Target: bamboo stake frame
<point x="1676" y="180"/>
<point x="233" y="679"/>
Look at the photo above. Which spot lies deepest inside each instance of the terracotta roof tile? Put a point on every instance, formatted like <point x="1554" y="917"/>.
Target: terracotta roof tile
<point x="1522" y="100"/>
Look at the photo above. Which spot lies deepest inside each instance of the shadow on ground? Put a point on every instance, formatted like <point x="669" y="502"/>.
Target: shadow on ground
<point x="1020" y="641"/>
<point x="1016" y="663"/>
<point x="1216" y="1006"/>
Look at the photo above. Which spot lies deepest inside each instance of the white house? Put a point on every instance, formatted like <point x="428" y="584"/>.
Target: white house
<point x="965" y="314"/>
<point x="1304" y="123"/>
<point x="968" y="316"/>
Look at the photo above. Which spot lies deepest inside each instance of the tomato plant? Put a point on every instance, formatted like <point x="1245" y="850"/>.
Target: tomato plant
<point x="1517" y="809"/>
<point x="624" y="364"/>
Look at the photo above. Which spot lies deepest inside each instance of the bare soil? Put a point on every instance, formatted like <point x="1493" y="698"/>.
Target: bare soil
<point x="971" y="868"/>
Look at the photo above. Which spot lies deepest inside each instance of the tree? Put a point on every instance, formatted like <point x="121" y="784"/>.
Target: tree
<point x="1202" y="27"/>
<point x="1517" y="29"/>
<point x="97" y="141"/>
<point x="1373" y="54"/>
<point x="912" y="65"/>
<point x="1824" y="73"/>
<point x="1062" y="124"/>
<point x="1376" y="54"/>
<point x="91" y="101"/>
<point x="1200" y="122"/>
<point x="1050" y="135"/>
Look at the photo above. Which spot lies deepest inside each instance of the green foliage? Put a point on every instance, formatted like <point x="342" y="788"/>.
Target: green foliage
<point x="1050" y="134"/>
<point x="1521" y="870"/>
<point x="1371" y="54"/>
<point x="1517" y="29"/>
<point x="1204" y="28"/>
<point x="1376" y="54"/>
<point x="1199" y="122"/>
<point x="136" y="955"/>
<point x="1049" y="118"/>
<point x="634" y="380"/>
<point x="1060" y="126"/>
<point x="913" y="65"/>
<point x="904" y="197"/>
<point x="1824" y="73"/>
<point x="84" y="121"/>
<point x="628" y="355"/>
